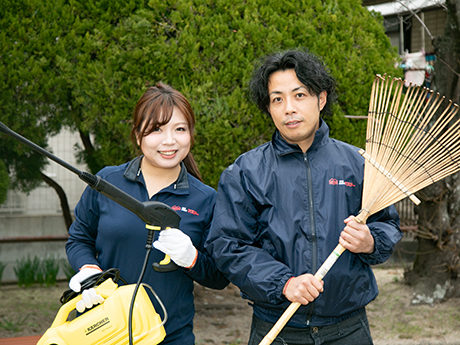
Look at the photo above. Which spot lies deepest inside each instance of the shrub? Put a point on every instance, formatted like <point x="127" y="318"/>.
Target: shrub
<point x="4" y="182"/>
<point x="89" y="63"/>
<point x="207" y="50"/>
<point x="26" y="271"/>
<point x="35" y="271"/>
<point x="50" y="269"/>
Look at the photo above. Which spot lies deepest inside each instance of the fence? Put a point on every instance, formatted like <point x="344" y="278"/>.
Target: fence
<point x="408" y="218"/>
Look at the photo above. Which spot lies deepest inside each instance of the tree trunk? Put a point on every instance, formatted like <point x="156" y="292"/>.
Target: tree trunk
<point x="62" y="197"/>
<point x="89" y="155"/>
<point x="436" y="268"/>
<point x="435" y="273"/>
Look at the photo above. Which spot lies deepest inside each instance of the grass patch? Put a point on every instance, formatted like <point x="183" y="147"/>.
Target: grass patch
<point x="13" y="325"/>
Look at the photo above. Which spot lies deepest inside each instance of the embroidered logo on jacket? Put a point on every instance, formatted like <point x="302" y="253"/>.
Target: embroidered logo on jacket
<point x="185" y="209"/>
<point x="335" y="182"/>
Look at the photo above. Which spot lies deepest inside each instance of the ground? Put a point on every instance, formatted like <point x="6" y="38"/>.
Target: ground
<point x="223" y="318"/>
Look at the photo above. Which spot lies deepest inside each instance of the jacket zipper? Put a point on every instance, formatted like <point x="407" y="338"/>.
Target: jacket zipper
<point x="312" y="228"/>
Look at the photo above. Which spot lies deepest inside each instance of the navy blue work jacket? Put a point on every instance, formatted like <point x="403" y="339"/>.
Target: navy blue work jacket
<point x="279" y="214"/>
<point x="107" y="234"/>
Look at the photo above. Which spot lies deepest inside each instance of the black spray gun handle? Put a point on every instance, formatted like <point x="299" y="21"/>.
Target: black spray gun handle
<point x="170" y="220"/>
<point x="156" y="215"/>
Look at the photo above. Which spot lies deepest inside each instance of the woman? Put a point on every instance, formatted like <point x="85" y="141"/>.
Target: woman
<point x="106" y="235"/>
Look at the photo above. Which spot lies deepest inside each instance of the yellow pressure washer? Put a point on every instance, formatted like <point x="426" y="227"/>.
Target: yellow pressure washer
<point x="107" y="322"/>
<point x="112" y="322"/>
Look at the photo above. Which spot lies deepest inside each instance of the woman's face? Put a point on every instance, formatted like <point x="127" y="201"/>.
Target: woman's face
<point x="169" y="144"/>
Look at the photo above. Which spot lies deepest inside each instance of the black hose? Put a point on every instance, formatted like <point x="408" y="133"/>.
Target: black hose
<point x="93" y="281"/>
<point x="131" y="307"/>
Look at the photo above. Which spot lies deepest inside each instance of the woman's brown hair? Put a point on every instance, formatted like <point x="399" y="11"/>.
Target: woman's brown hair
<point x="154" y="109"/>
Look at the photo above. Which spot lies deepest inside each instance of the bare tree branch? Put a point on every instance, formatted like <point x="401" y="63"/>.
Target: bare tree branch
<point x="448" y="66"/>
<point x="428" y="31"/>
<point x="418" y="18"/>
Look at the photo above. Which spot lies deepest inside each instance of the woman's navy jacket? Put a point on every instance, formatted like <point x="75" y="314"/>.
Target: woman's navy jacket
<point x="109" y="235"/>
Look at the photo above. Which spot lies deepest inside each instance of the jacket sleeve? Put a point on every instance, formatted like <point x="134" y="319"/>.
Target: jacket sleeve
<point x="81" y="245"/>
<point x="234" y="246"/>
<point x="205" y="271"/>
<point x="384" y="227"/>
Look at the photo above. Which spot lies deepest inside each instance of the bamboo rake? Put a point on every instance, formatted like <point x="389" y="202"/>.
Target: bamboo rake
<point x="411" y="142"/>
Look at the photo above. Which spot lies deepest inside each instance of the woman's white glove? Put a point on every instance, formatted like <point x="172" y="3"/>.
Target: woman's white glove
<point x="178" y="246"/>
<point x="85" y="272"/>
<point x="89" y="296"/>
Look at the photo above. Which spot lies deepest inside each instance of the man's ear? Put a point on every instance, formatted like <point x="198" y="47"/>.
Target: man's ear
<point x="322" y="99"/>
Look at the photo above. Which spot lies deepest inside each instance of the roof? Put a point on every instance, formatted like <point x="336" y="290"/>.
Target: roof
<point x="404" y="6"/>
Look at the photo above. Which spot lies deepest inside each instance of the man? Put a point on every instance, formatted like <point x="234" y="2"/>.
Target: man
<point x="281" y="210"/>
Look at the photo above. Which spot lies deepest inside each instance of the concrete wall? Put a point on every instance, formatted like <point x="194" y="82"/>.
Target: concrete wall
<point x="39" y="212"/>
<point x="30" y="226"/>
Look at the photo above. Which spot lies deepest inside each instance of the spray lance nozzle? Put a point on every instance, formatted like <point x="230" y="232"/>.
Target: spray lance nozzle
<point x="157" y="216"/>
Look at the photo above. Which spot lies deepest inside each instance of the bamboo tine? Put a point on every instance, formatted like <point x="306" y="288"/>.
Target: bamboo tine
<point x="438" y="139"/>
<point x="399" y="135"/>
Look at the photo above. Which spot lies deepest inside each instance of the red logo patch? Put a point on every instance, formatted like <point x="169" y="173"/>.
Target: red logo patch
<point x="335" y="182"/>
<point x="185" y="209"/>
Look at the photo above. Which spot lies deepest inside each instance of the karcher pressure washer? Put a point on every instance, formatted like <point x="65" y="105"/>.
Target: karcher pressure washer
<point x="113" y="322"/>
<point x="107" y="323"/>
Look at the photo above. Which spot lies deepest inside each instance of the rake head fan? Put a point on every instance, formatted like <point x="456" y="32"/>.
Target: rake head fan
<point x="412" y="141"/>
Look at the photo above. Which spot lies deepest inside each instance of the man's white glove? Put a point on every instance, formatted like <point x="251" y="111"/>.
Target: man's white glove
<point x="89" y="296"/>
<point x="178" y="246"/>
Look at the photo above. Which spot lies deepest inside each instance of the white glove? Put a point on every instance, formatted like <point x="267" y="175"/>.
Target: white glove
<point x="90" y="298"/>
<point x="178" y="246"/>
<point x="86" y="271"/>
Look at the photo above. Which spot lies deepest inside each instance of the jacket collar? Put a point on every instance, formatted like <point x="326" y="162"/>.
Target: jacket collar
<point x="282" y="147"/>
<point x="133" y="171"/>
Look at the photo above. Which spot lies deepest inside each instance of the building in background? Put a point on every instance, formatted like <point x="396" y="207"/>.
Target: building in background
<point x="411" y="26"/>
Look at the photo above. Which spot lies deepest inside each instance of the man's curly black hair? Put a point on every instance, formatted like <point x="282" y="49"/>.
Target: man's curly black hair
<point x="310" y="70"/>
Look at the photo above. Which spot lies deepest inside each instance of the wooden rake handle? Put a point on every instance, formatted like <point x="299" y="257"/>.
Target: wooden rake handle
<point x="325" y="267"/>
<point x="282" y="321"/>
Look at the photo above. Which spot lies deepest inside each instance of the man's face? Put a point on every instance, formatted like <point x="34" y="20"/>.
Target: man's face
<point x="293" y="109"/>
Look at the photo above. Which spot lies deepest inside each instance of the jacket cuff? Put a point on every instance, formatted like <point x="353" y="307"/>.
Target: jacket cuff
<point x="286" y="285"/>
<point x="96" y="267"/>
<point x="278" y="295"/>
<point x="380" y="254"/>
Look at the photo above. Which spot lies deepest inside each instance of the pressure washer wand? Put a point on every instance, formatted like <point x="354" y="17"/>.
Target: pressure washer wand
<point x="95" y="182"/>
<point x="156" y="215"/>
